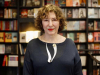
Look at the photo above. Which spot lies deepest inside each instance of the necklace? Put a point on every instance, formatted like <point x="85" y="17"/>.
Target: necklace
<point x="49" y="55"/>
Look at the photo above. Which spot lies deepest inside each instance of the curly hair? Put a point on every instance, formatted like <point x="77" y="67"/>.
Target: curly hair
<point x="43" y="13"/>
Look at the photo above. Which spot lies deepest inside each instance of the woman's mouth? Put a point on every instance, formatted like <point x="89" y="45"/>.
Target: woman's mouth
<point x="50" y="29"/>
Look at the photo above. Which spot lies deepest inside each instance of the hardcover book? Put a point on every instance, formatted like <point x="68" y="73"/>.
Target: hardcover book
<point x="8" y="49"/>
<point x="82" y="2"/>
<point x="90" y="37"/>
<point x="96" y="13"/>
<point x="76" y="25"/>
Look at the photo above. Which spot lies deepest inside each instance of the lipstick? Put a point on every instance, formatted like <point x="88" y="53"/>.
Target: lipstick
<point x="50" y="29"/>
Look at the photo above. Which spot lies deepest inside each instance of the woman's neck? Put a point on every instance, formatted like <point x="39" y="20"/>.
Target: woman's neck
<point x="50" y="38"/>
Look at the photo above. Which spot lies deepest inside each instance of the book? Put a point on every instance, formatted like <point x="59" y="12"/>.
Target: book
<point x="70" y="25"/>
<point x="82" y="37"/>
<point x="2" y="38"/>
<point x="90" y="25"/>
<point x="8" y="49"/>
<point x="48" y="2"/>
<point x="94" y="3"/>
<point x="90" y="12"/>
<point x="96" y="13"/>
<point x="12" y="60"/>
<point x="84" y="71"/>
<point x="8" y="37"/>
<point x="76" y="37"/>
<point x="14" y="37"/>
<point x="76" y="25"/>
<point x="14" y="13"/>
<point x="82" y="25"/>
<point x="69" y="2"/>
<point x="35" y="12"/>
<point x="82" y="2"/>
<point x="96" y="36"/>
<point x="22" y="37"/>
<point x="83" y="60"/>
<point x="14" y="49"/>
<point x="4" y="60"/>
<point x="24" y="13"/>
<point x="56" y="2"/>
<point x="70" y="35"/>
<point x="69" y="13"/>
<point x="75" y="13"/>
<point x="90" y="37"/>
<point x="35" y="2"/>
<point x="62" y="2"/>
<point x="76" y="3"/>
<point x="82" y="13"/>
<point x="1" y="13"/>
<point x="31" y="13"/>
<point x="89" y="3"/>
<point x="2" y="48"/>
<point x="28" y="3"/>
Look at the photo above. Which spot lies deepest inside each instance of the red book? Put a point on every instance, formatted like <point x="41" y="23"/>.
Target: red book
<point x="4" y="61"/>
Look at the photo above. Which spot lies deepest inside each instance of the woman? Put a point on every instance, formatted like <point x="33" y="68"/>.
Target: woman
<point x="51" y="53"/>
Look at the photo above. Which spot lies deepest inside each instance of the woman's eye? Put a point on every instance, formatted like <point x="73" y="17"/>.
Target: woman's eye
<point x="45" y="20"/>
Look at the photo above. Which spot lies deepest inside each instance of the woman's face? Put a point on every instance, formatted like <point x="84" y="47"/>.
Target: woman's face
<point x="50" y="24"/>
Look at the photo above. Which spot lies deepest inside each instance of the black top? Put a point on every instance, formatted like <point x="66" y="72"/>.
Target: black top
<point x="66" y="61"/>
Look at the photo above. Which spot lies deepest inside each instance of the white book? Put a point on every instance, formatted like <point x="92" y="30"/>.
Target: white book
<point x="35" y="12"/>
<point x="82" y="37"/>
<point x="22" y="37"/>
<point x="91" y="13"/>
<point x="89" y="3"/>
<point x="76" y="3"/>
<point x="82" y="13"/>
<point x="70" y="25"/>
<point x="94" y="3"/>
<point x="96" y="13"/>
<point x="83" y="60"/>
<point x="13" y="60"/>
<point x="75" y="13"/>
<point x="2" y="48"/>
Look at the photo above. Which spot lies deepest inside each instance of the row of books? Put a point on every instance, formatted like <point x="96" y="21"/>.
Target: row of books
<point x="94" y="25"/>
<point x="74" y="13"/>
<point x="7" y="3"/>
<point x="94" y="37"/>
<point x="29" y="13"/>
<point x="8" y="36"/>
<point x="8" y="13"/>
<point x="76" y="37"/>
<point x="8" y="25"/>
<point x="8" y="49"/>
<point x="22" y="49"/>
<point x="75" y="25"/>
<point x="66" y="2"/>
<point x="10" y="60"/>
<point x="93" y="13"/>
<point x="95" y="46"/>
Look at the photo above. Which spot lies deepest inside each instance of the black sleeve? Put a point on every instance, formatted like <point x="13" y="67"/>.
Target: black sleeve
<point x="27" y="67"/>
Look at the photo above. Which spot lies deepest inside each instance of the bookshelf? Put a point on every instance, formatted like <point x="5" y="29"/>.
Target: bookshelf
<point x="27" y="24"/>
